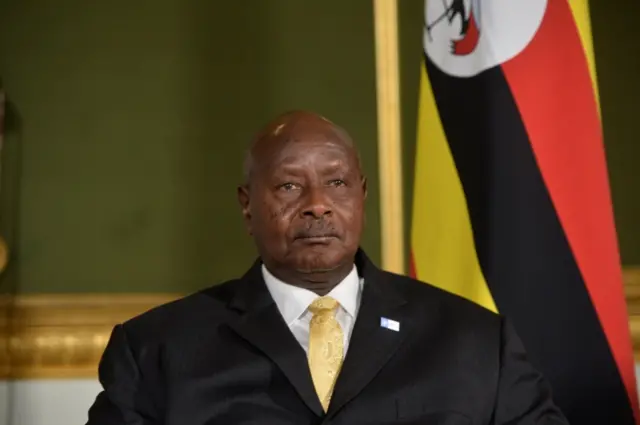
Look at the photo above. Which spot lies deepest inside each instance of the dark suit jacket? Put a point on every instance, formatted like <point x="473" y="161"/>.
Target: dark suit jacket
<point x="225" y="356"/>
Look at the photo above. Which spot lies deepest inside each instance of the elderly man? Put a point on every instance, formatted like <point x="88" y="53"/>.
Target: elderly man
<point x="314" y="332"/>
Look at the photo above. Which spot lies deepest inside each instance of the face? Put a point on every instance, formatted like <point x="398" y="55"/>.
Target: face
<point x="305" y="204"/>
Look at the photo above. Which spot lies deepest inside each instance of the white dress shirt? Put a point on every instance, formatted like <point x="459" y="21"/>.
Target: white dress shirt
<point x="293" y="303"/>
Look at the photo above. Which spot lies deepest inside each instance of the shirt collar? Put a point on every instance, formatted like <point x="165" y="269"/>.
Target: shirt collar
<point x="293" y="301"/>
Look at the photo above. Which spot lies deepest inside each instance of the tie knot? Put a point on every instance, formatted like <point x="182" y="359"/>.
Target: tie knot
<point x="323" y="305"/>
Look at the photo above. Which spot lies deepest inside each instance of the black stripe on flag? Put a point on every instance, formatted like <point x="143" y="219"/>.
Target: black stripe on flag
<point x="522" y="248"/>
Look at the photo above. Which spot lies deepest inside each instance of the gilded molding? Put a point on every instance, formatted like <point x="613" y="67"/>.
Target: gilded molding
<point x="63" y="336"/>
<point x="632" y="292"/>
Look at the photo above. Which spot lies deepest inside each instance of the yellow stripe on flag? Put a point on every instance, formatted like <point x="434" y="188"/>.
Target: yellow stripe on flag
<point x="441" y="236"/>
<point x="580" y="10"/>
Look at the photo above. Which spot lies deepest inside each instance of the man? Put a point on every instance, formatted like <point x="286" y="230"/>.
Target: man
<point x="314" y="333"/>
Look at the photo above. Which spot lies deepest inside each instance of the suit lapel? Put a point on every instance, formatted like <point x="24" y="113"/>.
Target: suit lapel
<point x="371" y="345"/>
<point x="370" y="348"/>
<point x="262" y="325"/>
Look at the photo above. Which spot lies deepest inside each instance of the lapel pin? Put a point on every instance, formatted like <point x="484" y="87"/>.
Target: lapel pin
<point x="390" y="324"/>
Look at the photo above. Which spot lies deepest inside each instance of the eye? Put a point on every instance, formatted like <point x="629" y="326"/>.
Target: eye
<point x="337" y="183"/>
<point x="287" y="187"/>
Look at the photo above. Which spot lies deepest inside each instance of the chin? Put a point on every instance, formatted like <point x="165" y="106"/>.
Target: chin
<point x="318" y="259"/>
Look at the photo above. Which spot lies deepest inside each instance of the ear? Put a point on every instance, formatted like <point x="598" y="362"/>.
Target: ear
<point x="364" y="187"/>
<point x="245" y="206"/>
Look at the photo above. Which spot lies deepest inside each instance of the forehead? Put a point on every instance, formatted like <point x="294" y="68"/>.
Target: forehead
<point x="313" y="150"/>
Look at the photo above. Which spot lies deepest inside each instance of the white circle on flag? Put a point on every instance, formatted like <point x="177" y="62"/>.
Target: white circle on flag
<point x="466" y="37"/>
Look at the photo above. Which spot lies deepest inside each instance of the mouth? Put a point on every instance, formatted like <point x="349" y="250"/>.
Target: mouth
<point x="317" y="238"/>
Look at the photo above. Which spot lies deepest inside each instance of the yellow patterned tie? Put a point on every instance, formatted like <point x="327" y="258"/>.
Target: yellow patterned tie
<point x="326" y="347"/>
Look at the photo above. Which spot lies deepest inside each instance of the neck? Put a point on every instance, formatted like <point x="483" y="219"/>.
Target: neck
<point x="321" y="282"/>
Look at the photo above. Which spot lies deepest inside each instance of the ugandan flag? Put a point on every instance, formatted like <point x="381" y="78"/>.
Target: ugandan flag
<point x="512" y="207"/>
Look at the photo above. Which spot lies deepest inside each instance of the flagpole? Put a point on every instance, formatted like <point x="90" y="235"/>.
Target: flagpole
<point x="389" y="135"/>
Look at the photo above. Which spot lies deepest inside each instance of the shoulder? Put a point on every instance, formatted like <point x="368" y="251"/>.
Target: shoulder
<point x="424" y="299"/>
<point x="208" y="306"/>
<point x="459" y="325"/>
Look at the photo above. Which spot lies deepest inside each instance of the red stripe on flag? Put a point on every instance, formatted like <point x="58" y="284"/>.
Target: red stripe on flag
<point x="412" y="266"/>
<point x="552" y="87"/>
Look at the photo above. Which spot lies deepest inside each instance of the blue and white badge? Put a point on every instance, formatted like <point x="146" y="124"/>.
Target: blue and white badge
<point x="390" y="324"/>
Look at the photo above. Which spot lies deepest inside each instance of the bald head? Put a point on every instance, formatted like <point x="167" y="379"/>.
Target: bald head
<point x="291" y="127"/>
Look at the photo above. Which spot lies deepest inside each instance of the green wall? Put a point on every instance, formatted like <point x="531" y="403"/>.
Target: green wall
<point x="616" y="40"/>
<point x="127" y="126"/>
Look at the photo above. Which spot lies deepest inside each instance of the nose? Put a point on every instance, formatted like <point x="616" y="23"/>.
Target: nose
<point x="317" y="204"/>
